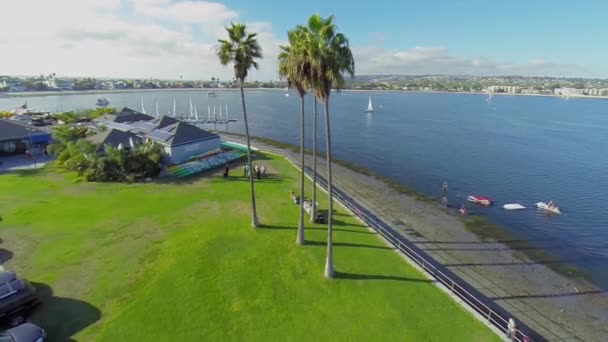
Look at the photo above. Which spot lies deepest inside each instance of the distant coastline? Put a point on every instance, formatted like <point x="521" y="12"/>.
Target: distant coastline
<point x="114" y="91"/>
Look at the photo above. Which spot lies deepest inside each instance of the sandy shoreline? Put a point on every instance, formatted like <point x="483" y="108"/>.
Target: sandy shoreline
<point x="114" y="91"/>
<point x="556" y="306"/>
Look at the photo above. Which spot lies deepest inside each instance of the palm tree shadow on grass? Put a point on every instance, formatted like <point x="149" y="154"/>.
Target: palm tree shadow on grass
<point x="345" y="244"/>
<point x="271" y="227"/>
<point x="62" y="317"/>
<point x="356" y="276"/>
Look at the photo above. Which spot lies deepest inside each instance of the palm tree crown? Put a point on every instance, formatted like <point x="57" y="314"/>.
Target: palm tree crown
<point x="241" y="48"/>
<point x="294" y="61"/>
<point x="331" y="56"/>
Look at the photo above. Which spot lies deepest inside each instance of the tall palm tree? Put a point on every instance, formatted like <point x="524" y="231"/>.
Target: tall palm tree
<point x="295" y="68"/>
<point x="331" y="59"/>
<point x="242" y="50"/>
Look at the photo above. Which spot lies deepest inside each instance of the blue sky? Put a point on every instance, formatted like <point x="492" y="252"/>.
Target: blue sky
<point x="165" y="38"/>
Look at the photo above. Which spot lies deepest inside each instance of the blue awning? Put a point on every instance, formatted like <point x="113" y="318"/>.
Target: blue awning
<point x="40" y="138"/>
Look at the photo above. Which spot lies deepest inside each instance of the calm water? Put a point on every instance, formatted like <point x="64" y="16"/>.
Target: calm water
<point x="514" y="149"/>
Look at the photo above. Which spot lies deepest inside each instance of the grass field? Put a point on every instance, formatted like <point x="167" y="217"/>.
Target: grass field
<point x="178" y="261"/>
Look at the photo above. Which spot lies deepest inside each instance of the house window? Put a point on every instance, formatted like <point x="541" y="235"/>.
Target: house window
<point x="8" y="146"/>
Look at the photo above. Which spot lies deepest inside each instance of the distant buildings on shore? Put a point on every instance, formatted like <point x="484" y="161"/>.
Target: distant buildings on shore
<point x="53" y="83"/>
<point x="473" y="84"/>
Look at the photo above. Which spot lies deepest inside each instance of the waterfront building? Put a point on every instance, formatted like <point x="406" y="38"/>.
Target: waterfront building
<point x="180" y="140"/>
<point x="16" y="138"/>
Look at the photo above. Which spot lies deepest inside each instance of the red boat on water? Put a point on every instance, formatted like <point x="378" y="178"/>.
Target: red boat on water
<point x="479" y="200"/>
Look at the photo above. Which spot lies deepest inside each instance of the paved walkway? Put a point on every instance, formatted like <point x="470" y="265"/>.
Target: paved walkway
<point x="546" y="302"/>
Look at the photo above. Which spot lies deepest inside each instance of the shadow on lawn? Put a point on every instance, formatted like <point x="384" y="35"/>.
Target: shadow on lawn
<point x="344" y="244"/>
<point x="355" y="276"/>
<point x="266" y="226"/>
<point x="62" y="317"/>
<point x="5" y="255"/>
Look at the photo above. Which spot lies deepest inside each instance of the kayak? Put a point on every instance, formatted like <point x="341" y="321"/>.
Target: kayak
<point x="479" y="200"/>
<point x="545" y="206"/>
<point x="513" y="206"/>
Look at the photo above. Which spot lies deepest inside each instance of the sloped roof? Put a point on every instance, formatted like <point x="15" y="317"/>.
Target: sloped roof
<point x="13" y="130"/>
<point x="180" y="133"/>
<point x="164" y="121"/>
<point x="113" y="137"/>
<point x="130" y="115"/>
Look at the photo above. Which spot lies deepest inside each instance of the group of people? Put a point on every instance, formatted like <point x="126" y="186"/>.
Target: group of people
<point x="258" y="171"/>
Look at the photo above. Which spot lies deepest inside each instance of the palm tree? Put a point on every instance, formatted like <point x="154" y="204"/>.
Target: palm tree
<point x="331" y="58"/>
<point x="295" y="68"/>
<point x="242" y="50"/>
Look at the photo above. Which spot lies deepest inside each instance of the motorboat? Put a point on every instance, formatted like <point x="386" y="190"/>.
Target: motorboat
<point x="513" y="206"/>
<point x="479" y="200"/>
<point x="545" y="206"/>
<point x="102" y="102"/>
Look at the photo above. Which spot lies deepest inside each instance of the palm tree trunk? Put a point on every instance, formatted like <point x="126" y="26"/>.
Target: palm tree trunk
<point x="300" y="237"/>
<point x="313" y="207"/>
<point x="254" y="214"/>
<point x="329" y="260"/>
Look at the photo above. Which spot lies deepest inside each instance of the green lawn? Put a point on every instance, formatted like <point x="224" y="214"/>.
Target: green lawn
<point x="180" y="262"/>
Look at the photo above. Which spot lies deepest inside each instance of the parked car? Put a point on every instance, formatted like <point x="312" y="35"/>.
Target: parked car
<point x="26" y="332"/>
<point x="17" y="298"/>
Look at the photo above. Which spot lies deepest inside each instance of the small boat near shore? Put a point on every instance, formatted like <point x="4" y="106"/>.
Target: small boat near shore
<point x="102" y="102"/>
<point x="513" y="206"/>
<point x="479" y="200"/>
<point x="546" y="207"/>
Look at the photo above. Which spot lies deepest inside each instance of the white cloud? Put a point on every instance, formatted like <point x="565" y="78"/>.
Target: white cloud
<point x="158" y="38"/>
<point x="439" y="60"/>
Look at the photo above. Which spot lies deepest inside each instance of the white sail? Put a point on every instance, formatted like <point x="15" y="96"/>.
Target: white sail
<point x="191" y="108"/>
<point x="227" y="119"/>
<point x="143" y="109"/>
<point x="214" y="116"/>
<point x="156" y="105"/>
<point x="195" y="113"/>
<point x="220" y="113"/>
<point x="209" y="113"/>
<point x="370" y="108"/>
<point x="174" y="107"/>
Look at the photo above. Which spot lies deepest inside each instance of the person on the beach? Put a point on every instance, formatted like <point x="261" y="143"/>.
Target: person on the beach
<point x="463" y="210"/>
<point x="445" y="187"/>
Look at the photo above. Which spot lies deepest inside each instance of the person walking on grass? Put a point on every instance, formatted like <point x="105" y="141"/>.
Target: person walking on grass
<point x="263" y="169"/>
<point x="258" y="172"/>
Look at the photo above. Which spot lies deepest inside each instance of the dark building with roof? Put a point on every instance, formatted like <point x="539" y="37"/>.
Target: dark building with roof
<point x="183" y="141"/>
<point x="126" y="115"/>
<point x="114" y="138"/>
<point x="180" y="140"/>
<point x="17" y="138"/>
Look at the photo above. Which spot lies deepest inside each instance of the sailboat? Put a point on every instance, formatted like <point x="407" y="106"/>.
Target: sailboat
<point x="370" y="108"/>
<point x="174" y="107"/>
<point x="208" y="114"/>
<point x="221" y="115"/>
<point x="156" y="105"/>
<point x="195" y="113"/>
<point x="143" y="109"/>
